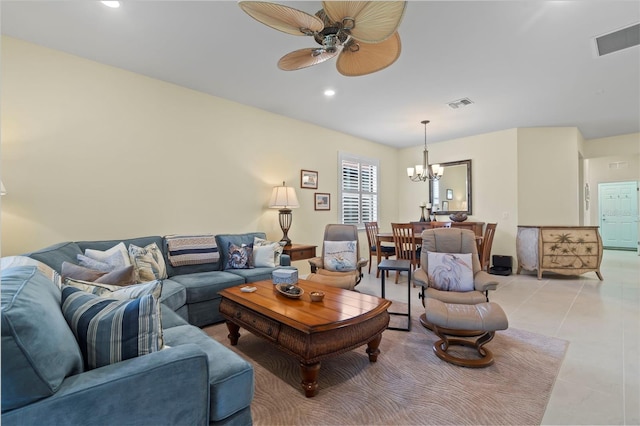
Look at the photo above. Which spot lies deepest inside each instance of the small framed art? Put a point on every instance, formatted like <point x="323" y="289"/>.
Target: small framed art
<point x="449" y="194"/>
<point x="308" y="179"/>
<point x="323" y="201"/>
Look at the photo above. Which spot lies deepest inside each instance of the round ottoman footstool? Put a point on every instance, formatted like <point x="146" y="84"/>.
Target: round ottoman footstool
<point x="486" y="317"/>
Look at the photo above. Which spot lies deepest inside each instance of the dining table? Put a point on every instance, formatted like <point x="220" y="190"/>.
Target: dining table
<point x="387" y="237"/>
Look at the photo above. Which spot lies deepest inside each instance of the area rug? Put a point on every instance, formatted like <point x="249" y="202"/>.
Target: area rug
<point x="408" y="385"/>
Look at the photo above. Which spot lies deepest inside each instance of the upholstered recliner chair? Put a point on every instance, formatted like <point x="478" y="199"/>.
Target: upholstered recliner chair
<point x="340" y="264"/>
<point x="452" y="241"/>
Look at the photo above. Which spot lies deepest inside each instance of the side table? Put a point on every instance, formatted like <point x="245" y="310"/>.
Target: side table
<point x="402" y="266"/>
<point x="300" y="251"/>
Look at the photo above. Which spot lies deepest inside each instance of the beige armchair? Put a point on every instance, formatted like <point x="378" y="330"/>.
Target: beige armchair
<point x="340" y="264"/>
<point x="452" y="240"/>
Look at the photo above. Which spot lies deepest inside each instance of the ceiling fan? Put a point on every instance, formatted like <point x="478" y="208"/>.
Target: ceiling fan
<point x="362" y="33"/>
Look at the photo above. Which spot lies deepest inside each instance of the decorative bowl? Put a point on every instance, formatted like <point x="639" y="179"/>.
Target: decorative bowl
<point x="290" y="290"/>
<point x="458" y="217"/>
<point x="316" y="296"/>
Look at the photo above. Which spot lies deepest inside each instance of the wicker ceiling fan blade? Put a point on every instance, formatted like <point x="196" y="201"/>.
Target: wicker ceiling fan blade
<point x="375" y="21"/>
<point x="336" y="10"/>
<point x="282" y="18"/>
<point x="368" y="58"/>
<point x="303" y="58"/>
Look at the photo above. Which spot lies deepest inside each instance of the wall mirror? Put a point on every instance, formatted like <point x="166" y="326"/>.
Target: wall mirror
<point x="452" y="192"/>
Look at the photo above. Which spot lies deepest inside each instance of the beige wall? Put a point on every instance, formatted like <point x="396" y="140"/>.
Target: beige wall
<point x="94" y="152"/>
<point x="494" y="187"/>
<point x="548" y="183"/>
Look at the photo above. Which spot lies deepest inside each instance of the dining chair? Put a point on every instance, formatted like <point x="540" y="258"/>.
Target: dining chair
<point x="405" y="242"/>
<point x="485" y="246"/>
<point x="372" y="237"/>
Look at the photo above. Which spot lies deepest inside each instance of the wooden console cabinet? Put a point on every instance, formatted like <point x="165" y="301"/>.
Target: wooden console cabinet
<point x="476" y="227"/>
<point x="567" y="250"/>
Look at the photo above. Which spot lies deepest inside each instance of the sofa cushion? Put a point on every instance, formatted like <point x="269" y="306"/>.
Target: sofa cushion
<point x="255" y="274"/>
<point x="170" y="318"/>
<point x="38" y="348"/>
<point x="148" y="261"/>
<point x="174" y="295"/>
<point x="111" y="330"/>
<point x="48" y="271"/>
<point x="206" y="285"/>
<point x="56" y="254"/>
<point x="230" y="376"/>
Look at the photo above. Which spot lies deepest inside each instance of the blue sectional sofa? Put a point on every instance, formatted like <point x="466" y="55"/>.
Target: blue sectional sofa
<point x="191" y="291"/>
<point x="195" y="380"/>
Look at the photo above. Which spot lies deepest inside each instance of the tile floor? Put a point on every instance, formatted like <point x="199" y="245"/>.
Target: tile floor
<point x="599" y="381"/>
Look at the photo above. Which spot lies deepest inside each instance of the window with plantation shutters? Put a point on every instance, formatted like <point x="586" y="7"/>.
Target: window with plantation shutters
<point x="358" y="190"/>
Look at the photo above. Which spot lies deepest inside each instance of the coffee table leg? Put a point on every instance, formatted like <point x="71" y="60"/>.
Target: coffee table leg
<point x="234" y="332"/>
<point x="372" y="348"/>
<point x="310" y="378"/>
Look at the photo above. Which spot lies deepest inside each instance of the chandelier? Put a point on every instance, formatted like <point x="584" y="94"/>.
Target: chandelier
<point x="425" y="171"/>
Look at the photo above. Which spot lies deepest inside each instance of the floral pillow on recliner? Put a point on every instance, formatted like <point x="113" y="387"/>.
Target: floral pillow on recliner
<point x="450" y="271"/>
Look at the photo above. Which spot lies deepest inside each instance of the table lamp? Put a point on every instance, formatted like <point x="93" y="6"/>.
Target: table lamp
<point x="284" y="198"/>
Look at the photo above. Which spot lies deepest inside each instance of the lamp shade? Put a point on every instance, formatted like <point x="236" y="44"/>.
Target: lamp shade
<point x="284" y="197"/>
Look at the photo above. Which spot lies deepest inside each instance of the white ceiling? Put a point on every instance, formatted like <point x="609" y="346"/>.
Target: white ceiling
<point x="522" y="63"/>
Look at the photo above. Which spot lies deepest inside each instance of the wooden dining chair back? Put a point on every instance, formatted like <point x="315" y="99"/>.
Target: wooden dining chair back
<point x="405" y="242"/>
<point x="485" y="247"/>
<point x="374" y="245"/>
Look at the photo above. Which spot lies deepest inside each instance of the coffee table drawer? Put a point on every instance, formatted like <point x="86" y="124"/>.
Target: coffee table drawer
<point x="256" y="323"/>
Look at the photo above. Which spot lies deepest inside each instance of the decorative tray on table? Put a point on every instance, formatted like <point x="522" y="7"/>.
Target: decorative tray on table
<point x="290" y="290"/>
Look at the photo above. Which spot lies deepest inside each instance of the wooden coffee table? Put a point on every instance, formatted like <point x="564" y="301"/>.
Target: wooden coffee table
<point x="308" y="331"/>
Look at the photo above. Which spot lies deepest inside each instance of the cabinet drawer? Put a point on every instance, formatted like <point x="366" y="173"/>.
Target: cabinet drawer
<point x="256" y="323"/>
<point x="302" y="254"/>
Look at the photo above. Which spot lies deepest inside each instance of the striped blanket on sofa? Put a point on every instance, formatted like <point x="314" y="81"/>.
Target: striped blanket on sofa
<point x="192" y="249"/>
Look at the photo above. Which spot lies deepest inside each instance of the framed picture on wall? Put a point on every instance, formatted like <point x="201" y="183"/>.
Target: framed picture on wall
<point x="449" y="194"/>
<point x="308" y="179"/>
<point x="323" y="201"/>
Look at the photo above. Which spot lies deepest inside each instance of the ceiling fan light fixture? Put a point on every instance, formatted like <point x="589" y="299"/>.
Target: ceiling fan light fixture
<point x="339" y="27"/>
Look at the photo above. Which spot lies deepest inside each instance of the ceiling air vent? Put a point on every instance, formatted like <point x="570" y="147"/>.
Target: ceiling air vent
<point x="459" y="103"/>
<point x="618" y="40"/>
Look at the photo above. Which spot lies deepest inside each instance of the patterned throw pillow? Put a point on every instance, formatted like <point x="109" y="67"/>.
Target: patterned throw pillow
<point x="240" y="257"/>
<point x="107" y="256"/>
<point x="111" y="330"/>
<point x="153" y="288"/>
<point x="148" y="261"/>
<point x="450" y="271"/>
<point x="340" y="255"/>
<point x="266" y="253"/>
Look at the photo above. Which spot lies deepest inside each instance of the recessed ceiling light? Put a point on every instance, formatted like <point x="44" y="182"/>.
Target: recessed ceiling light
<point x="329" y="92"/>
<point x="113" y="4"/>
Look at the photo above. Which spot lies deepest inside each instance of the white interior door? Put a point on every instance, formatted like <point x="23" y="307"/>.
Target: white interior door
<point x="618" y="204"/>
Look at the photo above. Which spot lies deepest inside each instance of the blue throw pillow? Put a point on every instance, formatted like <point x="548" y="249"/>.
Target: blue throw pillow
<point x="110" y="330"/>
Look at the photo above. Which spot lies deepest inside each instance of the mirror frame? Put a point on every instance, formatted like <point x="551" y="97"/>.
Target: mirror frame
<point x="469" y="193"/>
